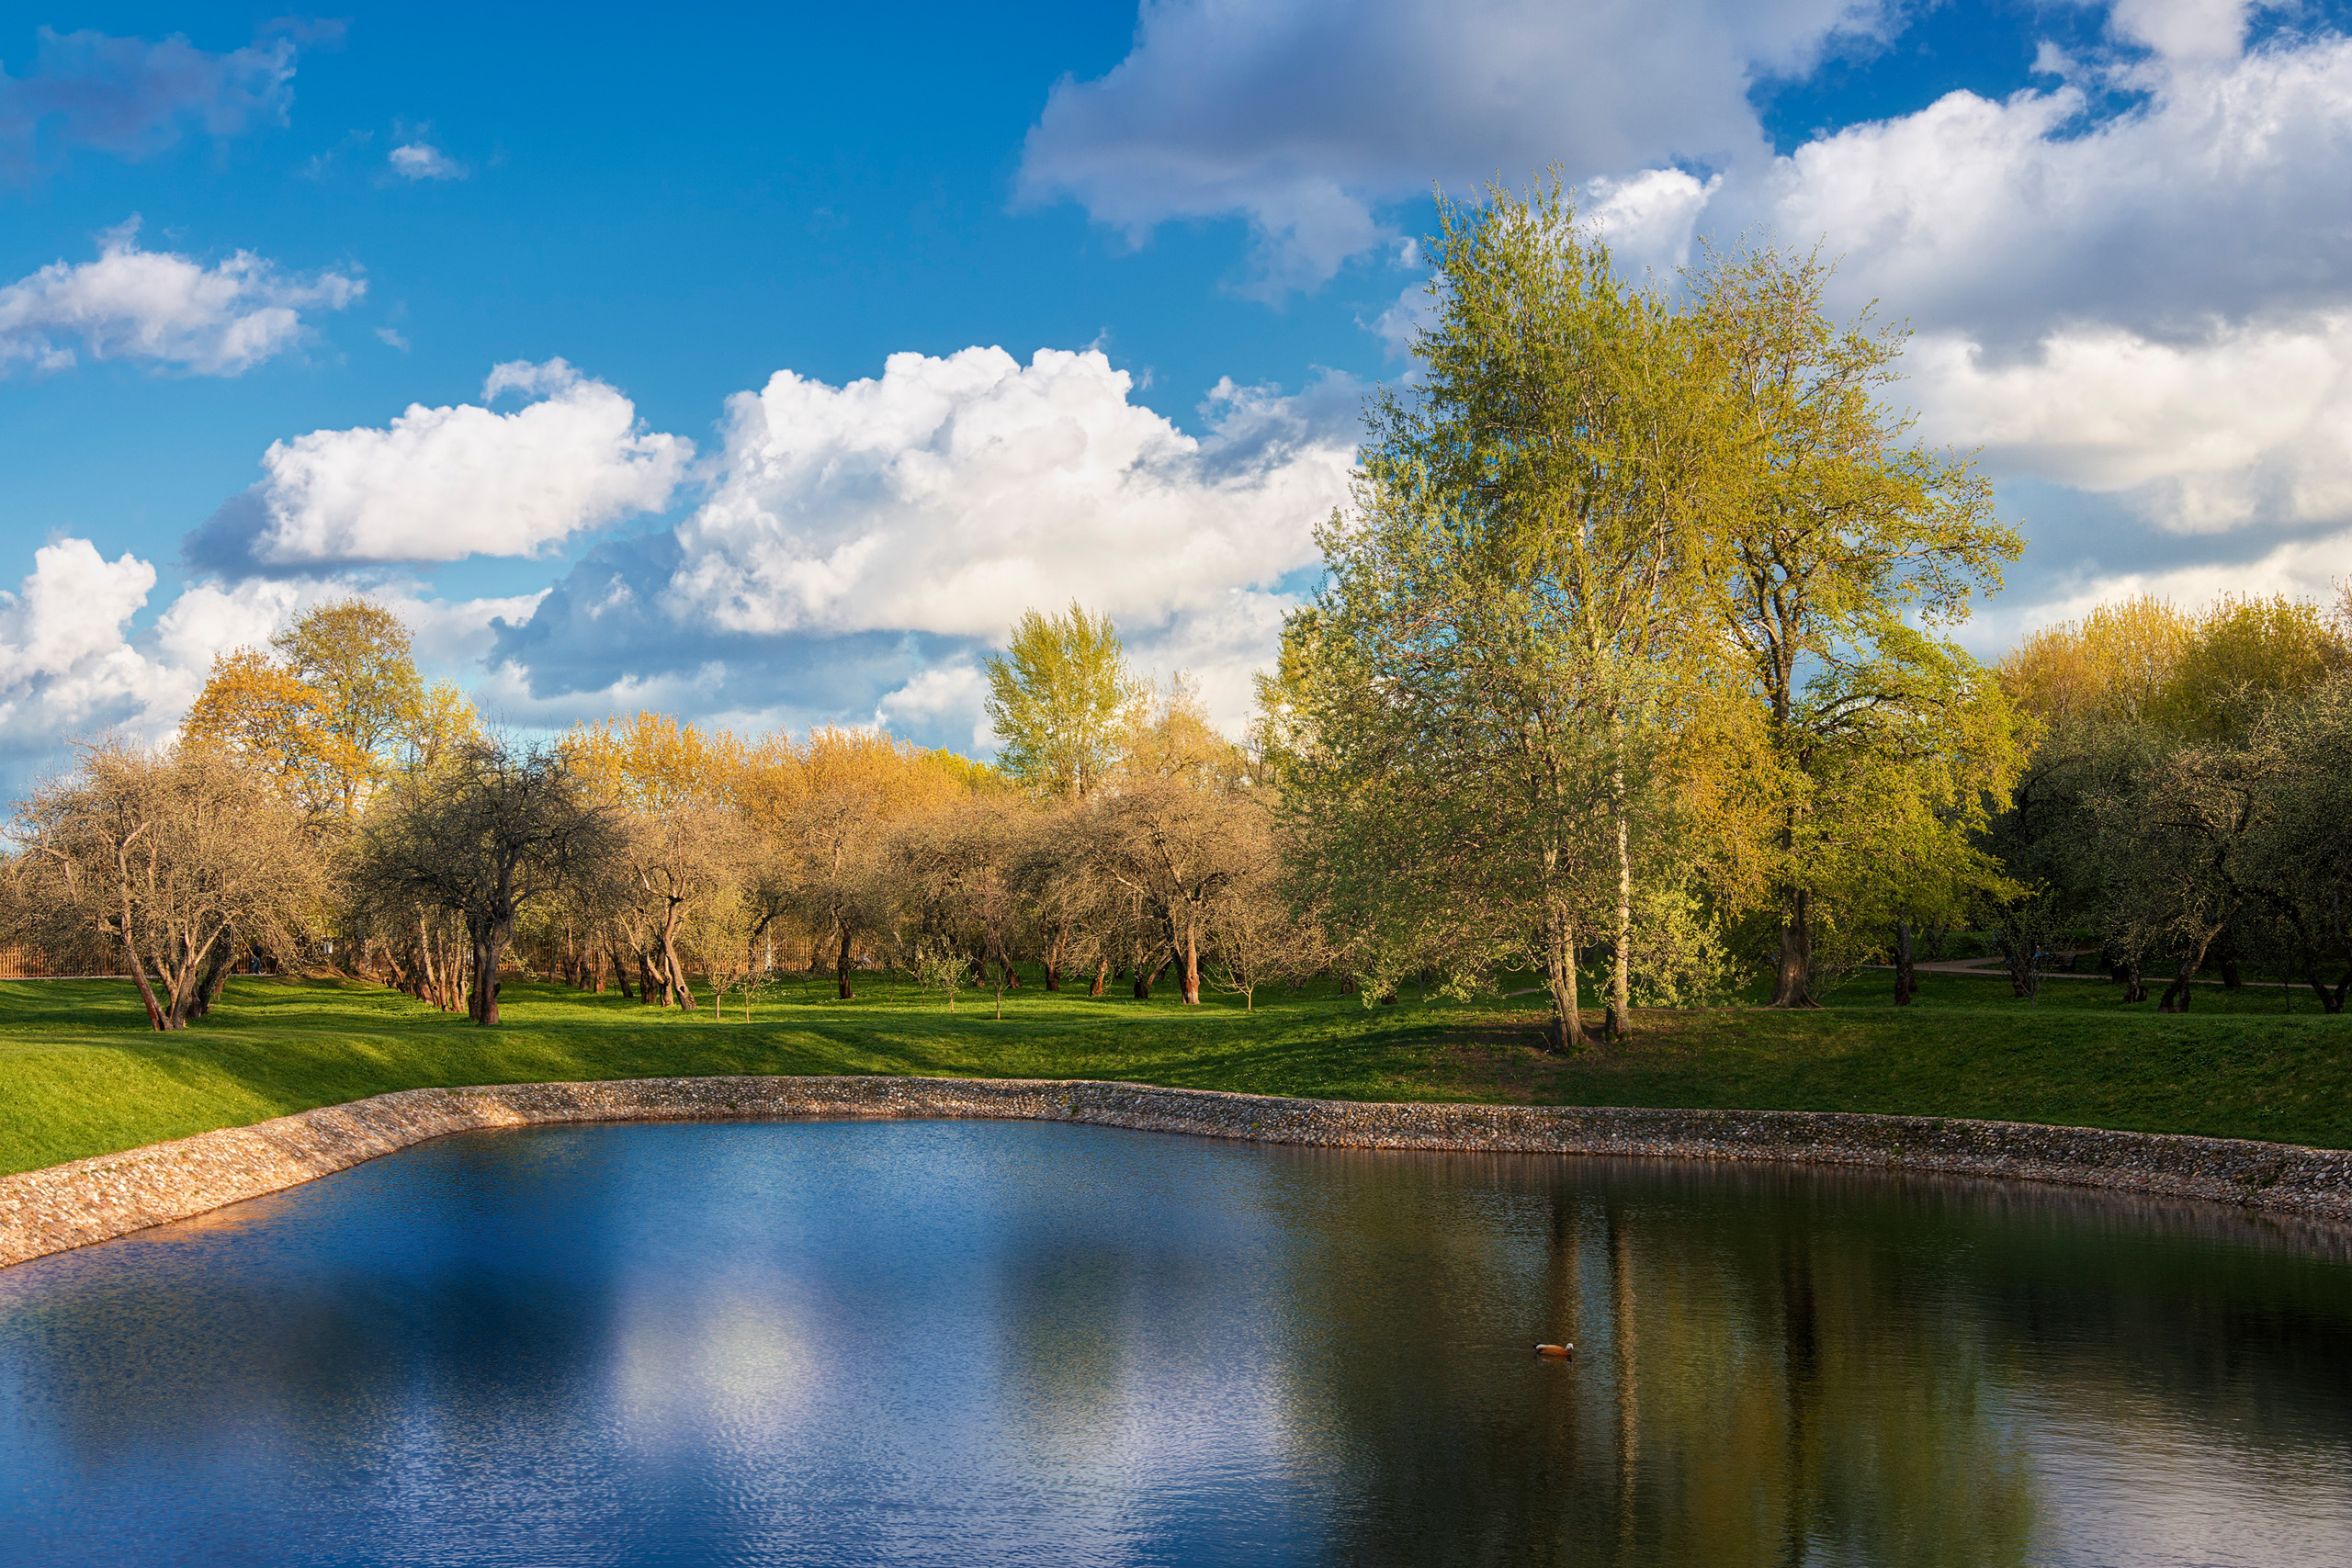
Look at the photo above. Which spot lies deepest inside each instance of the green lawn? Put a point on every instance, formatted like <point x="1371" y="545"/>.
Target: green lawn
<point x="80" y="1074"/>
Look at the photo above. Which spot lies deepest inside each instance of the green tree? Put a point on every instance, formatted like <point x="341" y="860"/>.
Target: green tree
<point x="1494" y="660"/>
<point x="361" y="655"/>
<point x="2240" y="653"/>
<point x="1061" y="697"/>
<point x="1843" y="548"/>
<point x="2299" y="857"/>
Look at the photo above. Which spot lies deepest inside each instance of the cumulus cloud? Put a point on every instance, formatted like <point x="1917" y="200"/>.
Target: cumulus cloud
<point x="74" y="665"/>
<point x="423" y="161"/>
<point x="2224" y="192"/>
<point x="2153" y="304"/>
<point x="950" y="494"/>
<point x="2254" y="423"/>
<point x="1305" y="116"/>
<point x="948" y="698"/>
<point x="134" y="96"/>
<point x="70" y="668"/>
<point x="861" y="545"/>
<point x="439" y="484"/>
<point x="162" y="308"/>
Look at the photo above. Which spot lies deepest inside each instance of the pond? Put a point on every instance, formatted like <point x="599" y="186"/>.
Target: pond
<point x="976" y="1342"/>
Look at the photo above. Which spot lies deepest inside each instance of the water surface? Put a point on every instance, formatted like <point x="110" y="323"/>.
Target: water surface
<point x="1025" y="1343"/>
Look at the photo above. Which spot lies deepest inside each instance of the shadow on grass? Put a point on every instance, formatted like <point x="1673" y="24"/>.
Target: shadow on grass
<point x="81" y="1073"/>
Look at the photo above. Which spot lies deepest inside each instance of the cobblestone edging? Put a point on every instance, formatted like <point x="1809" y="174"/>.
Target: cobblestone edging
<point x="89" y="1200"/>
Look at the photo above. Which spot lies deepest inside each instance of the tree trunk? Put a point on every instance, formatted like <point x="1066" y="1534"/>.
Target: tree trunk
<point x="674" y="973"/>
<point x="1007" y="974"/>
<point x="841" y="968"/>
<point x="216" y="970"/>
<point x="1560" y="978"/>
<point x="647" y="981"/>
<point x="2023" y="981"/>
<point x="188" y="984"/>
<point x="1101" y="978"/>
<point x="1143" y="977"/>
<point x="1191" y="972"/>
<point x="620" y="973"/>
<point x="1906" y="980"/>
<point x="2134" y="988"/>
<point x="139" y="973"/>
<point x="489" y="948"/>
<point x="1792" y="983"/>
<point x="2176" y="996"/>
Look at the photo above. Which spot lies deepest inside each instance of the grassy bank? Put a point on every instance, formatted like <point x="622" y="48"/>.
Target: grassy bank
<point x="80" y="1074"/>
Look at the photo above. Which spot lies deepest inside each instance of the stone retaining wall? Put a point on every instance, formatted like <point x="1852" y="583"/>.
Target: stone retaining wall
<point x="90" y="1200"/>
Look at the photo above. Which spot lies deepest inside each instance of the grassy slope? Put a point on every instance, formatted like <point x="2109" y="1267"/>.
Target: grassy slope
<point x="80" y="1074"/>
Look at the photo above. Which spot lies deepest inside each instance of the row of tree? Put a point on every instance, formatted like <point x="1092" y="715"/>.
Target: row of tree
<point x="280" y="830"/>
<point x="2188" y="801"/>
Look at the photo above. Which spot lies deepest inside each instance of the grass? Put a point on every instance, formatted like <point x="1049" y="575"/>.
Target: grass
<point x="80" y="1074"/>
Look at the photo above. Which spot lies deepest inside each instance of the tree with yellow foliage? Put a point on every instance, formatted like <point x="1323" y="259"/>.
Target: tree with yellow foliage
<point x="833" y="816"/>
<point x="263" y="714"/>
<point x="361" y="655"/>
<point x="1060" y="696"/>
<point x="2115" y="663"/>
<point x="335" y="712"/>
<point x="672" y="784"/>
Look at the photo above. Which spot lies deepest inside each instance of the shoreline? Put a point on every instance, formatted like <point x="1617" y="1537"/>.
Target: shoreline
<point x="90" y="1200"/>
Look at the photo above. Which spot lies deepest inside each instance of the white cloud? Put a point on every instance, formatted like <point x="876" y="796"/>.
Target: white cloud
<point x="2252" y="424"/>
<point x="862" y="545"/>
<point x="1650" y="220"/>
<point x="162" y="308"/>
<point x="2147" y="300"/>
<point x="69" y="613"/>
<point x="2225" y="193"/>
<point x="2157" y="304"/>
<point x="440" y="484"/>
<point x="423" y="161"/>
<point x="1305" y="116"/>
<point x="950" y="494"/>
<point x="944" y="697"/>
<point x="71" y="665"/>
<point x="131" y="96"/>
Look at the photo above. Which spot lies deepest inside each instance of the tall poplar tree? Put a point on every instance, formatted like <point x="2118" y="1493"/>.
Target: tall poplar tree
<point x="1507" y="607"/>
<point x="1060" y="696"/>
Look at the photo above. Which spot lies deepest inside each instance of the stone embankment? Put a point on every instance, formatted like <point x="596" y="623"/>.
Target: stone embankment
<point x="90" y="1200"/>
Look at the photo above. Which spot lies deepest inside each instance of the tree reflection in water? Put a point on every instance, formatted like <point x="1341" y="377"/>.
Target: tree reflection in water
<point x="1780" y="1365"/>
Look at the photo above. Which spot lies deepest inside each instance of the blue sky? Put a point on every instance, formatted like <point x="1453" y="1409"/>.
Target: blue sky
<point x="641" y="274"/>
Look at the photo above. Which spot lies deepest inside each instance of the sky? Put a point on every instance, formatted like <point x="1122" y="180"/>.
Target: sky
<point x="763" y="364"/>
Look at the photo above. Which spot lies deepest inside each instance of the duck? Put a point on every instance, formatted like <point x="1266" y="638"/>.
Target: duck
<point x="1555" y="1349"/>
